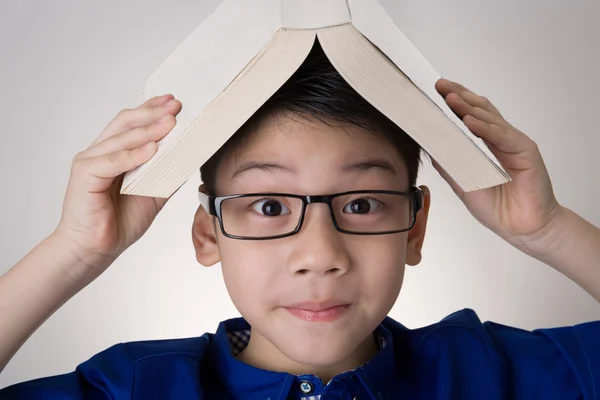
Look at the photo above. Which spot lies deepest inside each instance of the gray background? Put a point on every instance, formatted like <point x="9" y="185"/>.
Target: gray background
<point x="69" y="66"/>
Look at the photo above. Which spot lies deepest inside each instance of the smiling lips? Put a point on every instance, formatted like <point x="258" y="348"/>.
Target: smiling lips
<point x="319" y="311"/>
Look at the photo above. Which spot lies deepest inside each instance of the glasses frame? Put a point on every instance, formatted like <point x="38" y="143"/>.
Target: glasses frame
<point x="213" y="205"/>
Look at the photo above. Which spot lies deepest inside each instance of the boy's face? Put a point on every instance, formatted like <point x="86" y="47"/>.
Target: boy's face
<point x="319" y="264"/>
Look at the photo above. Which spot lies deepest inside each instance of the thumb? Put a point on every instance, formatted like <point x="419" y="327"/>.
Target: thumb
<point x="455" y="188"/>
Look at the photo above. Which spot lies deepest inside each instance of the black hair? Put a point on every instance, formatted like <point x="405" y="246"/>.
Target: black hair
<point x="317" y="90"/>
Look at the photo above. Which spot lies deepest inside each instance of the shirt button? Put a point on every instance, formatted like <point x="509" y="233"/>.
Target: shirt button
<point x="306" y="387"/>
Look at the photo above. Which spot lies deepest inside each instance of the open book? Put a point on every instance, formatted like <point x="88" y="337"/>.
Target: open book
<point x="246" y="50"/>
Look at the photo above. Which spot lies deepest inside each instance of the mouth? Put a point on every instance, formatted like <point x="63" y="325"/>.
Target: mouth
<point x="319" y="311"/>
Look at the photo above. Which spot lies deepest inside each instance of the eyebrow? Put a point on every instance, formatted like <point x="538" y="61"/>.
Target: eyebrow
<point x="356" y="167"/>
<point x="365" y="165"/>
<point x="262" y="166"/>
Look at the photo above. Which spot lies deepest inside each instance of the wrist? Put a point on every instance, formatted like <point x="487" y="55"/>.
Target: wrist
<point x="550" y="238"/>
<point x="573" y="248"/>
<point x="77" y="264"/>
<point x="561" y="243"/>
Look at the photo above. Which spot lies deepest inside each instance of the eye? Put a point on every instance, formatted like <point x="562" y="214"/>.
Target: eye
<point x="362" y="206"/>
<point x="270" y="208"/>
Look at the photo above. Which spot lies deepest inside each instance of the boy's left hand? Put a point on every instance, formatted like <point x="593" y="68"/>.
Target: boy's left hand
<point x="524" y="211"/>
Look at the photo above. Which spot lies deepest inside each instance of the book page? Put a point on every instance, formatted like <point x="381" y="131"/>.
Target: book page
<point x="379" y="81"/>
<point x="371" y="19"/>
<point x="208" y="60"/>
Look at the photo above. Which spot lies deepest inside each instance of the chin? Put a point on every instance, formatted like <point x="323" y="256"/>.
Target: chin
<point x="319" y="351"/>
<point x="320" y="344"/>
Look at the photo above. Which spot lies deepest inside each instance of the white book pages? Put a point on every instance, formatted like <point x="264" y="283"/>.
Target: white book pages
<point x="266" y="73"/>
<point x="208" y="60"/>
<point x="206" y="63"/>
<point x="371" y="19"/>
<point x="377" y="79"/>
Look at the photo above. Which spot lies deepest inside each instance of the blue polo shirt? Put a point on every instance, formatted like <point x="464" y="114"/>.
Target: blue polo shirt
<point x="456" y="358"/>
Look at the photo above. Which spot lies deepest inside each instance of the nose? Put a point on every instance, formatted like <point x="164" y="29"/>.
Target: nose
<point x="318" y="248"/>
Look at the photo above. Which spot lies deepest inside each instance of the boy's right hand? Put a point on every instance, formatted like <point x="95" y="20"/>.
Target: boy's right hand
<point x="97" y="221"/>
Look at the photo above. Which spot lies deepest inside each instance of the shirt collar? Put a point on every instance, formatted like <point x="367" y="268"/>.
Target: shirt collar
<point x="378" y="375"/>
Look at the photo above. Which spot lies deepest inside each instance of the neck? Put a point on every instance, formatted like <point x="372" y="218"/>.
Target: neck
<point x="261" y="353"/>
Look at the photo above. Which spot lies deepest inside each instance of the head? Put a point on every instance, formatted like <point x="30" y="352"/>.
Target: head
<point x="301" y="142"/>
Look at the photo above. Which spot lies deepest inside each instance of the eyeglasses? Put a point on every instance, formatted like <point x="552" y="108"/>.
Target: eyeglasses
<point x="262" y="216"/>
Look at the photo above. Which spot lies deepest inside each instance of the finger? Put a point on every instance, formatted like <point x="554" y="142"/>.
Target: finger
<point x="459" y="86"/>
<point x="479" y="101"/>
<point x="462" y="108"/>
<point x="100" y="172"/>
<point x="446" y="87"/>
<point x="157" y="101"/>
<point x="506" y="140"/>
<point x="134" y="138"/>
<point x="455" y="188"/>
<point x="129" y="119"/>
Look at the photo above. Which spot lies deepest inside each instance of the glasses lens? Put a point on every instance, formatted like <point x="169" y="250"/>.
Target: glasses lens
<point x="260" y="216"/>
<point x="373" y="212"/>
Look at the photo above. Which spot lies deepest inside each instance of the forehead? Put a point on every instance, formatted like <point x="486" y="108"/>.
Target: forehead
<point x="308" y="148"/>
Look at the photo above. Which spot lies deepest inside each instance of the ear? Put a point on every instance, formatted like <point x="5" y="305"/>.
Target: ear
<point x="416" y="235"/>
<point x="204" y="236"/>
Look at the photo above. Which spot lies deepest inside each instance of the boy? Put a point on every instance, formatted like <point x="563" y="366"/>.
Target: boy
<point x="314" y="277"/>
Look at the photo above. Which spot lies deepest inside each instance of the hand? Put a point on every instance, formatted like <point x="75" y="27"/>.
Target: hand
<point x="523" y="211"/>
<point x="97" y="220"/>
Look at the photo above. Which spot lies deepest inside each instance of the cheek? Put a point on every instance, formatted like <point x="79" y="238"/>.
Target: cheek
<point x="382" y="265"/>
<point x="248" y="272"/>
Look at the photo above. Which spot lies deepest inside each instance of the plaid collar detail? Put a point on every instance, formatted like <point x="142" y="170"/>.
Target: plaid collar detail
<point x="239" y="339"/>
<point x="370" y="380"/>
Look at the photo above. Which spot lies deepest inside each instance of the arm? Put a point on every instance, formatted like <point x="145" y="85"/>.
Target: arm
<point x="96" y="226"/>
<point x="524" y="212"/>
<point x="33" y="290"/>
<point x="574" y="250"/>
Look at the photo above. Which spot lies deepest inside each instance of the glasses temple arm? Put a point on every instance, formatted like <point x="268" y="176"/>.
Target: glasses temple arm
<point x="203" y="199"/>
